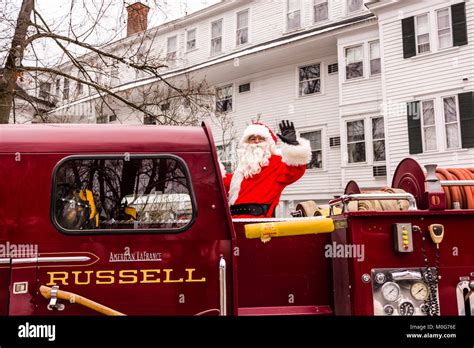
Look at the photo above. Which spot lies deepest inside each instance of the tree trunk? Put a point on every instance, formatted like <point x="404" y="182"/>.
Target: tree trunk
<point x="15" y="57"/>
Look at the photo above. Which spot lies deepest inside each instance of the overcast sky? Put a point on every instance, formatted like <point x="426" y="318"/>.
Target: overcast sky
<point x="113" y="20"/>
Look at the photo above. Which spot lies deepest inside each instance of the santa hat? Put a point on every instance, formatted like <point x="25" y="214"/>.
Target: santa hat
<point x="260" y="129"/>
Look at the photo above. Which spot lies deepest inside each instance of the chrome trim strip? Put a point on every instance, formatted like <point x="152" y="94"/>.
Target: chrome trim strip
<point x="51" y="259"/>
<point x="344" y="199"/>
<point x="4" y="261"/>
<point x="222" y="286"/>
<point x="457" y="182"/>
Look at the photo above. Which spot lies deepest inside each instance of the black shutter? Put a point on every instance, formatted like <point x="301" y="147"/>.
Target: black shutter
<point x="414" y="127"/>
<point x="408" y="34"/>
<point x="458" y="18"/>
<point x="466" y="115"/>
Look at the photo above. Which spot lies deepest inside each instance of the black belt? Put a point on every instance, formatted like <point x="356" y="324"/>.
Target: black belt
<point x="250" y="209"/>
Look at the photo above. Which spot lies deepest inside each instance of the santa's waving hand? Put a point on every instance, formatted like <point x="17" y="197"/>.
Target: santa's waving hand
<point x="262" y="172"/>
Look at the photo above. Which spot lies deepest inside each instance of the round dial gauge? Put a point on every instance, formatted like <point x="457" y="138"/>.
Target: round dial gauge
<point x="419" y="291"/>
<point x="390" y="291"/>
<point x="407" y="309"/>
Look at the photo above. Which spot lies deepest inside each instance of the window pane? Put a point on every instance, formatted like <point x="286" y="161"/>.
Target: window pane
<point x="452" y="135"/>
<point x="430" y="138"/>
<point x="428" y="113"/>
<point x="316" y="160"/>
<point x="309" y="72"/>
<point x="423" y="43"/>
<point x="378" y="131"/>
<point x="443" y="19"/>
<point x="444" y="38"/>
<point x="355" y="131"/>
<point x="172" y="44"/>
<point x="422" y="25"/>
<point x="375" y="66"/>
<point x="104" y="194"/>
<point x="354" y="70"/>
<point x="450" y="114"/>
<point x="314" y="139"/>
<point x="242" y="19"/>
<point x="354" y="5"/>
<point x="321" y="11"/>
<point x="242" y="36"/>
<point x="354" y="54"/>
<point x="293" y="5"/>
<point x="379" y="150"/>
<point x="294" y="20"/>
<point x="216" y="45"/>
<point x="374" y="50"/>
<point x="310" y="87"/>
<point x="216" y="29"/>
<point x="356" y="152"/>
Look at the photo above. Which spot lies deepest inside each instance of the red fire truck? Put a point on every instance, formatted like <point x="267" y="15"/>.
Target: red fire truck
<point x="133" y="220"/>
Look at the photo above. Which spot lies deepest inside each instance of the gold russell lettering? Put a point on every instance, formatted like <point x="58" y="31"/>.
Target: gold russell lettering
<point x="124" y="276"/>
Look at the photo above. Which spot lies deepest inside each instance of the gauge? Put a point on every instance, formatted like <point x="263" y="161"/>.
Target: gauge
<point x="388" y="309"/>
<point x="390" y="291"/>
<point x="407" y="309"/>
<point x="419" y="291"/>
<point x="424" y="309"/>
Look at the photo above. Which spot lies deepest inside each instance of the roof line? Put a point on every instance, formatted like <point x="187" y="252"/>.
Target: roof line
<point x="246" y="51"/>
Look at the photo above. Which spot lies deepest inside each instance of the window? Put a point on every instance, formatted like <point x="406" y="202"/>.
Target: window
<point x="171" y="48"/>
<point x="224" y="153"/>
<point x="354" y="62"/>
<point x="422" y="33"/>
<point x="191" y="40"/>
<point x="444" y="28"/>
<point x="45" y="90"/>
<point x="58" y="87"/>
<point x="375" y="66"/>
<point x="224" y="99"/>
<point x="309" y="79"/>
<point x="378" y="139"/>
<point x="320" y="10"/>
<point x="149" y="119"/>
<point x="79" y="88"/>
<point x="293" y="14"/>
<point x="113" y="193"/>
<point x="355" y="5"/>
<point x="216" y="37"/>
<point x="451" y="122"/>
<point x="66" y="89"/>
<point x="114" y="69"/>
<point x="356" y="141"/>
<point x="102" y="119"/>
<point x="242" y="27"/>
<point x="315" y="140"/>
<point x="428" y="125"/>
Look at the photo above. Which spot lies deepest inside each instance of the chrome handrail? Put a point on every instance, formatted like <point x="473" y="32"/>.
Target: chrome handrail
<point x="222" y="286"/>
<point x="457" y="182"/>
<point x="344" y="199"/>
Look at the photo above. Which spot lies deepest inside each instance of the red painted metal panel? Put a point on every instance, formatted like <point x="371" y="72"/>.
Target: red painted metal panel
<point x="4" y="285"/>
<point x="23" y="303"/>
<point x="286" y="310"/>
<point x="287" y="271"/>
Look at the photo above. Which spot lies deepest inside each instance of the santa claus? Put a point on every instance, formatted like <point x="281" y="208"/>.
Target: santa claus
<point x="263" y="171"/>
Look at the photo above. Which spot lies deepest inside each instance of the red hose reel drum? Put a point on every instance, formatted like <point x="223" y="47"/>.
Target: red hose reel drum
<point x="410" y="177"/>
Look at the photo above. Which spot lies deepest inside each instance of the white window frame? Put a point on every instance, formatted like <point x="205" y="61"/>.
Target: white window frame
<point x="322" y="130"/>
<point x="367" y="149"/>
<point x="168" y="52"/>
<point x="316" y="3"/>
<point x="221" y="20"/>
<point x="422" y="124"/>
<point x="428" y="16"/>
<point x="458" y="121"/>
<point x="237" y="27"/>
<point x="287" y="13"/>
<point x="231" y="85"/>
<point x="195" y="40"/>
<point x="372" y="140"/>
<point x="321" y="79"/>
<point x="364" y="64"/>
<point x="346" y="3"/>
<point x="450" y="27"/>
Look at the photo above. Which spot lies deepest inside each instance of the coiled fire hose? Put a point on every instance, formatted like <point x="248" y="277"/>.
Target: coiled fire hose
<point x="457" y="197"/>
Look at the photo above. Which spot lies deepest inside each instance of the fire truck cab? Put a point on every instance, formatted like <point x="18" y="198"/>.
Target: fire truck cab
<point x="134" y="220"/>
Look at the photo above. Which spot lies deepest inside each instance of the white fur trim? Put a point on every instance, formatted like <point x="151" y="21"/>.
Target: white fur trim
<point x="296" y="155"/>
<point x="222" y="168"/>
<point x="234" y="188"/>
<point x="257" y="129"/>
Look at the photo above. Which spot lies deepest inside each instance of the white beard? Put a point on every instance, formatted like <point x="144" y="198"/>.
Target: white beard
<point x="252" y="158"/>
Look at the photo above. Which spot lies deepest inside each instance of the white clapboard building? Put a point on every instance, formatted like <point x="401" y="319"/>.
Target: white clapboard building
<point x="368" y="82"/>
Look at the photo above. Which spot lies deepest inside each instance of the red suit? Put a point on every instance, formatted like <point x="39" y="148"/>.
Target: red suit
<point x="265" y="188"/>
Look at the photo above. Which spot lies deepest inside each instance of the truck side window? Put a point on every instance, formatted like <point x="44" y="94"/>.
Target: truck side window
<point x="114" y="193"/>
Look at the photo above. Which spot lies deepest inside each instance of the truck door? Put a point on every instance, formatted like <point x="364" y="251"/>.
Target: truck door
<point x="140" y="235"/>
